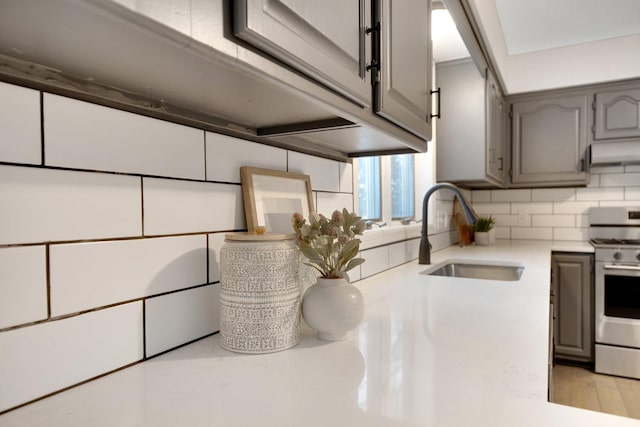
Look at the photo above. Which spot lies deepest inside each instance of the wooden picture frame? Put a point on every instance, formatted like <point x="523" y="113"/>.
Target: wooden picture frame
<point x="271" y="197"/>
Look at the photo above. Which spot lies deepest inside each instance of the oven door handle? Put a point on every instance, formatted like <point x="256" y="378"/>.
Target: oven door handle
<point x="622" y="267"/>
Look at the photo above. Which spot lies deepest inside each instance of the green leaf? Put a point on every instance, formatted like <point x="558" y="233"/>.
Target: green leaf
<point x="354" y="263"/>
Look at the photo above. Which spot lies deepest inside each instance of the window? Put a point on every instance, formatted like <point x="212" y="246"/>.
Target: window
<point x="402" y="192"/>
<point x="388" y="186"/>
<point x="369" y="206"/>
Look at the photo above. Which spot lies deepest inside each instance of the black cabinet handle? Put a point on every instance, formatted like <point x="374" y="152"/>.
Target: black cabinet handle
<point x="439" y="109"/>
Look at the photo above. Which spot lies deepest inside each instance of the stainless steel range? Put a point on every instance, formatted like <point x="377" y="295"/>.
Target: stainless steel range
<point x="615" y="234"/>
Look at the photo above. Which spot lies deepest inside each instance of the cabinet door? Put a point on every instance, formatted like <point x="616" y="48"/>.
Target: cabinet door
<point x="403" y="91"/>
<point x="549" y="141"/>
<point x="573" y="301"/>
<point x="326" y="40"/>
<point x="617" y="114"/>
<point x="496" y="112"/>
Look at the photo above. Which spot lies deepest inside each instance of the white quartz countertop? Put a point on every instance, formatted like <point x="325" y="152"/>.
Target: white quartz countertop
<point x="431" y="351"/>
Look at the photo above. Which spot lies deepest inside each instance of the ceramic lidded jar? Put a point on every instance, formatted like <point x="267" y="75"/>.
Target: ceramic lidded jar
<point x="259" y="292"/>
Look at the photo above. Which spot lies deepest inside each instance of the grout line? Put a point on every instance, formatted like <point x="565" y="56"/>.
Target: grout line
<point x="47" y="266"/>
<point x="207" y="260"/>
<point x="142" y="205"/>
<point x="42" y="162"/>
<point x="144" y="329"/>
<point x="204" y="137"/>
<point x="70" y="169"/>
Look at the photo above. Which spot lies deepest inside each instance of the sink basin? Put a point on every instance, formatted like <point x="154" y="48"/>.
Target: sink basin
<point x="477" y="270"/>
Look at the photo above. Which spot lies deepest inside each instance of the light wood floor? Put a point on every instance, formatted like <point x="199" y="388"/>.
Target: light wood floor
<point x="582" y="388"/>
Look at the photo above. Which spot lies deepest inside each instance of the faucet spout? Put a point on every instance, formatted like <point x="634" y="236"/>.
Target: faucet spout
<point x="425" y="247"/>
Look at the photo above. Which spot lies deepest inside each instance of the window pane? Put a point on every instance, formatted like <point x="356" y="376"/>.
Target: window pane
<point x="369" y="188"/>
<point x="402" y="193"/>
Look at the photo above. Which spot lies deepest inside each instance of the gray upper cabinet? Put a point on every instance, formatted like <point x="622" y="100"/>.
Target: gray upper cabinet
<point x="470" y="133"/>
<point x="617" y="114"/>
<point x="495" y="119"/>
<point x="549" y="140"/>
<point x="572" y="294"/>
<point x="403" y="86"/>
<point x="325" y="40"/>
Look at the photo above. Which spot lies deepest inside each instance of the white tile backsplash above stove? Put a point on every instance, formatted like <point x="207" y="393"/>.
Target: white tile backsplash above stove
<point x="559" y="214"/>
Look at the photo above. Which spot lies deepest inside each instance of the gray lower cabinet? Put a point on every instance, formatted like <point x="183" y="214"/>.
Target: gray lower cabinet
<point x="617" y="114"/>
<point x="572" y="297"/>
<point x="549" y="140"/>
<point x="470" y="132"/>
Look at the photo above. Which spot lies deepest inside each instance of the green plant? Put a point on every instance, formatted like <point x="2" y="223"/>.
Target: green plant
<point x="484" y="224"/>
<point x="329" y="244"/>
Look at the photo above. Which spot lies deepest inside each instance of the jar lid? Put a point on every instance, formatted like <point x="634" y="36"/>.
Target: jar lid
<point x="249" y="236"/>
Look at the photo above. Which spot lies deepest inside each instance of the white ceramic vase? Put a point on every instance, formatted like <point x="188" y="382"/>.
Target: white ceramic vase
<point x="332" y="307"/>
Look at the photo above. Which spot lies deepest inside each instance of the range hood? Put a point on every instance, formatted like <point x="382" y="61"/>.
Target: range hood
<point x="615" y="153"/>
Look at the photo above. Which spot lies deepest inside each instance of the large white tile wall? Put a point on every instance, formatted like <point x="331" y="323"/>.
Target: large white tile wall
<point x="560" y="214"/>
<point x="110" y="241"/>
<point x="20" y="125"/>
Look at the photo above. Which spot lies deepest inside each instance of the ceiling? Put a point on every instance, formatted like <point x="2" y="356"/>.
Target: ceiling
<point x="529" y="26"/>
<point x="447" y="43"/>
<point x="548" y="44"/>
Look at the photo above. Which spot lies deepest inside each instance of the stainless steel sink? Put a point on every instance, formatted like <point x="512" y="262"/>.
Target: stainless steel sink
<point x="471" y="270"/>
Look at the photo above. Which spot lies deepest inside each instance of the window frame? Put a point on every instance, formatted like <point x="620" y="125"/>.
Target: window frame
<point x="423" y="178"/>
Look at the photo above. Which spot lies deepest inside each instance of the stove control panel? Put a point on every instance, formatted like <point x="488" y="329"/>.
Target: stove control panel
<point x="618" y="255"/>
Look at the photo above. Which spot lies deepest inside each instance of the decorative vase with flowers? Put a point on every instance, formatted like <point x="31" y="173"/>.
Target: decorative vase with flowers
<point x="332" y="306"/>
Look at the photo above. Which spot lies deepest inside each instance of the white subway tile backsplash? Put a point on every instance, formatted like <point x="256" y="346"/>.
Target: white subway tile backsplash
<point x="595" y="194"/>
<point x="377" y="260"/>
<point x="47" y="357"/>
<point x="519" y="195"/>
<point x="492" y="208"/>
<point x="329" y="202"/>
<point x="503" y="220"/>
<point x="574" y="234"/>
<point x="40" y="205"/>
<point x="578" y="208"/>
<point x="173" y="206"/>
<point x="87" y="136"/>
<point x="553" y="220"/>
<point x="553" y="194"/>
<point x="532" y="208"/>
<point x="503" y="232"/>
<point x="226" y="154"/>
<point x="19" y="125"/>
<point x="90" y="275"/>
<point x="402" y="252"/>
<point x="632" y="203"/>
<point x="632" y="193"/>
<point x="620" y="179"/>
<point x="533" y="233"/>
<point x="481" y="196"/>
<point x="324" y="173"/>
<point x="346" y="177"/>
<point x="632" y="168"/>
<point x="216" y="241"/>
<point x="23" y="285"/>
<point x="177" y="318"/>
<point x="582" y="221"/>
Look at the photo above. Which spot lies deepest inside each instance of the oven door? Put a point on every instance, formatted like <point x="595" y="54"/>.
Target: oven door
<point x="617" y="304"/>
